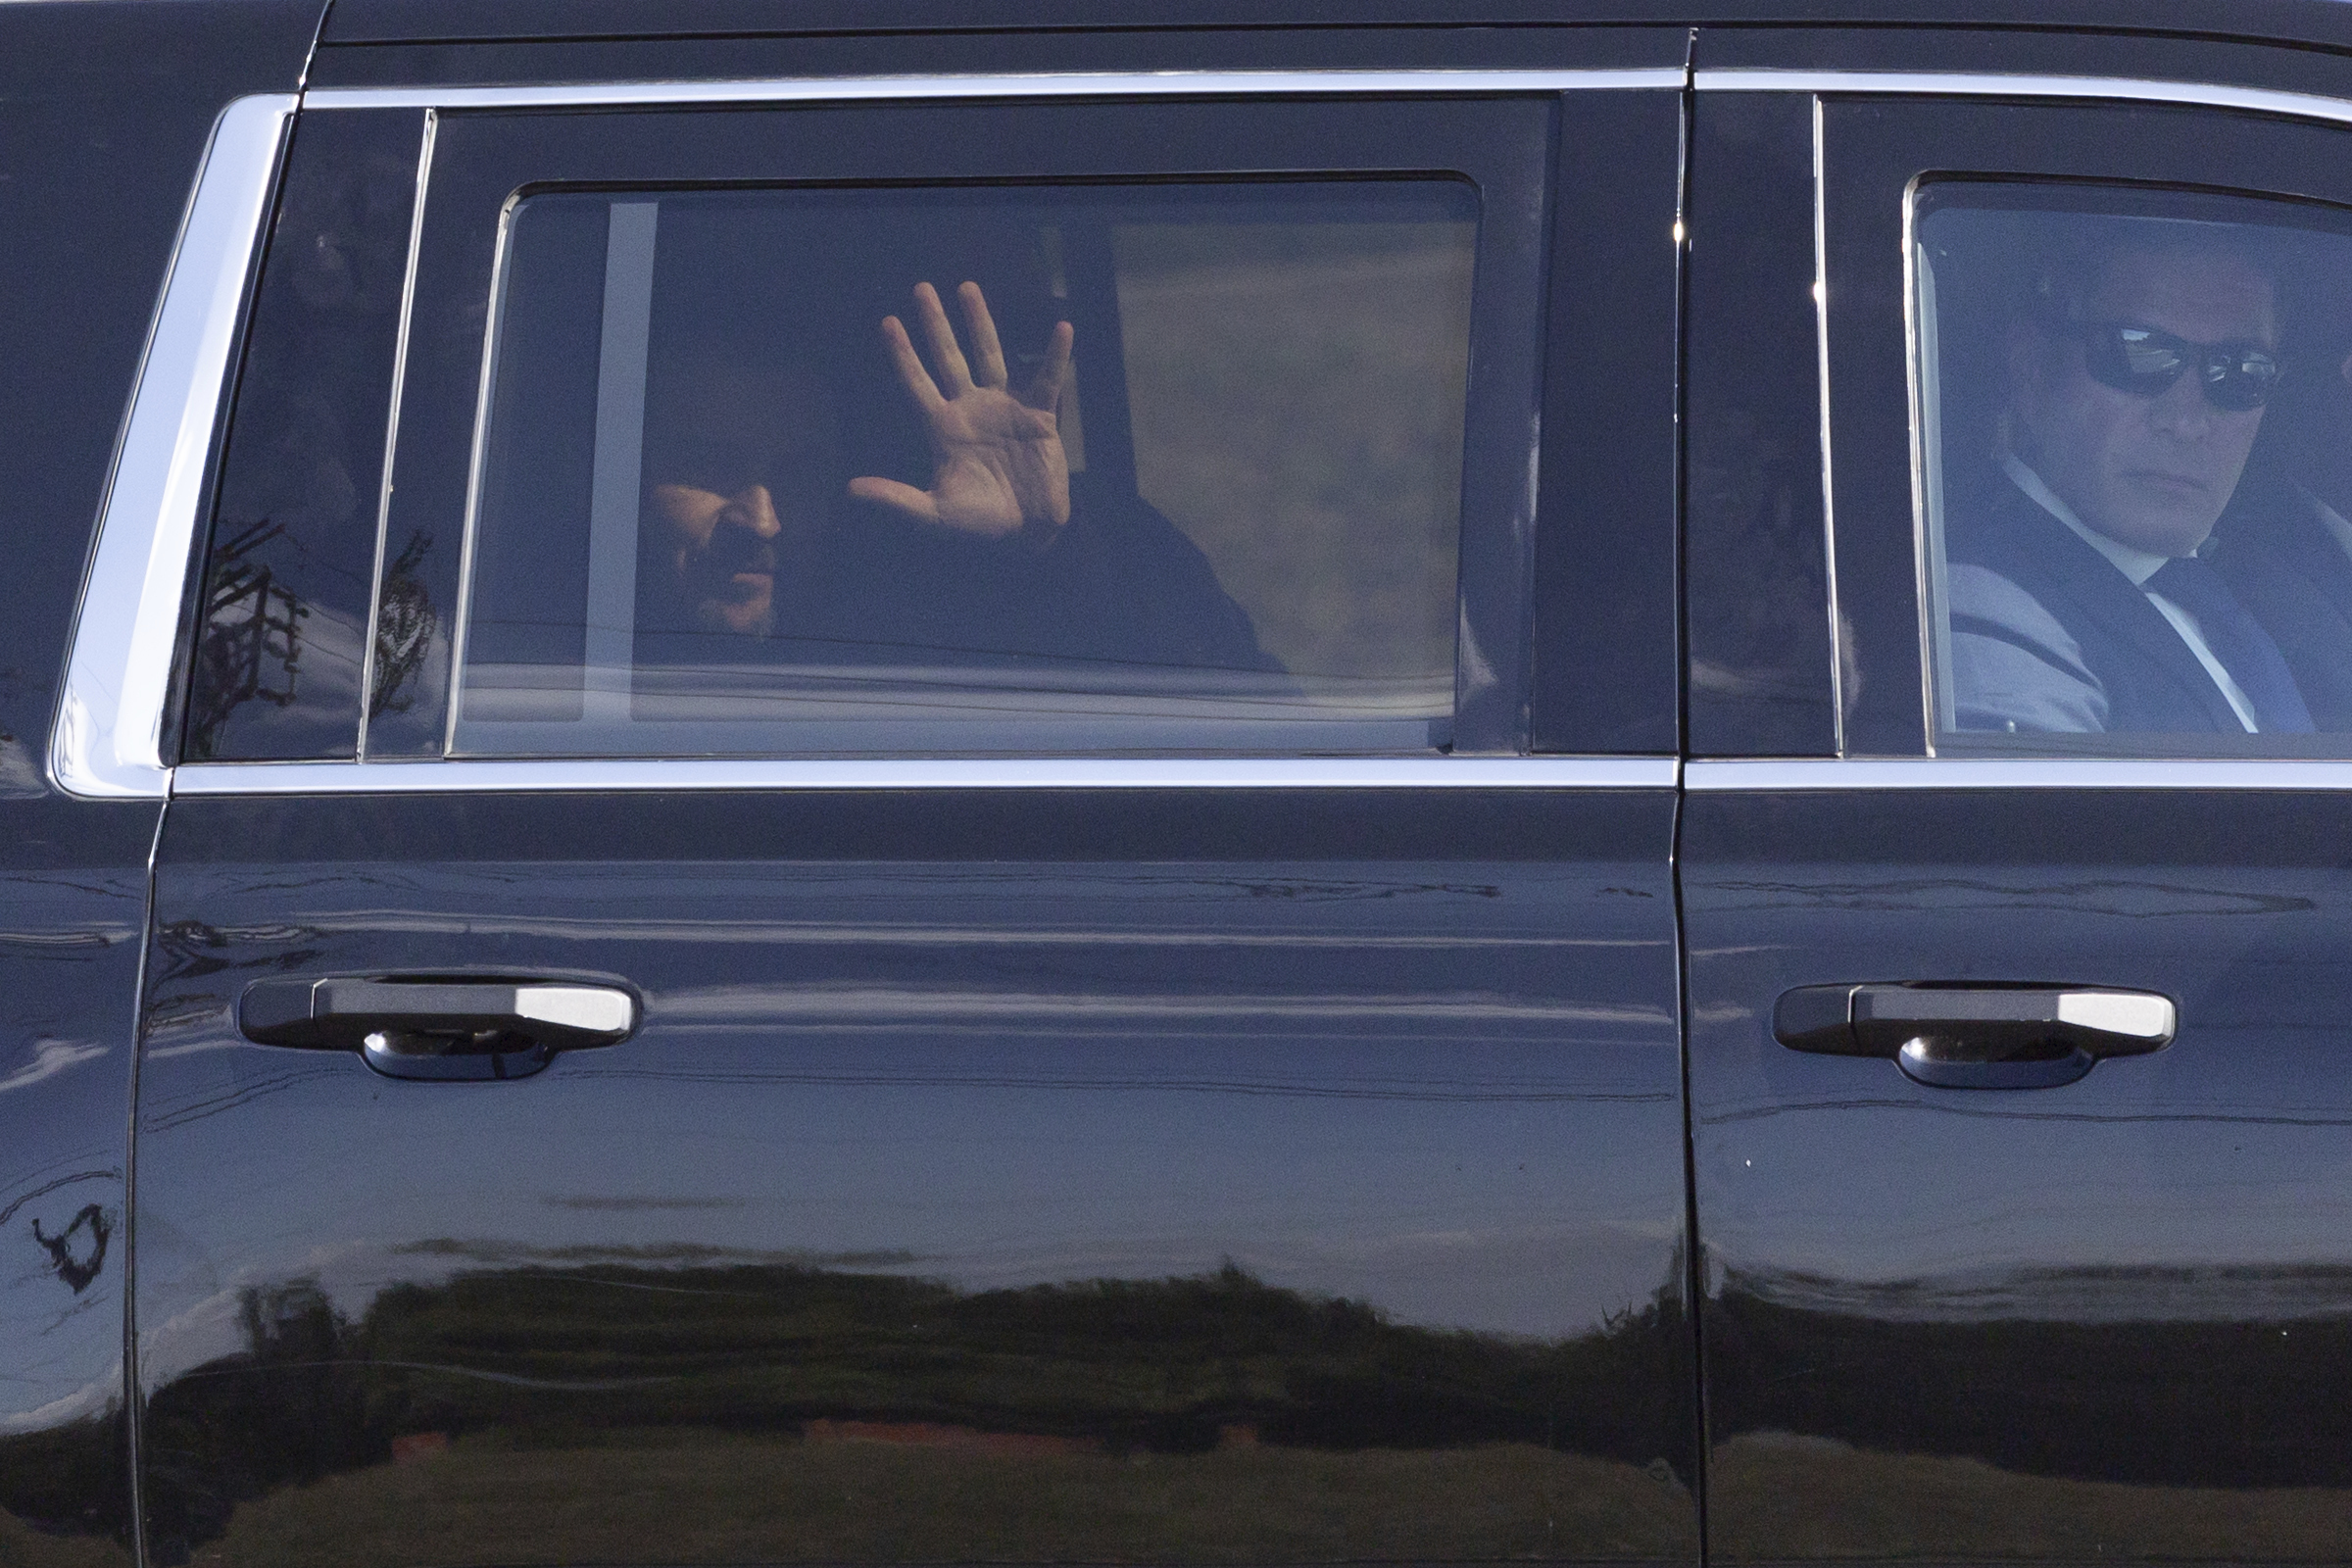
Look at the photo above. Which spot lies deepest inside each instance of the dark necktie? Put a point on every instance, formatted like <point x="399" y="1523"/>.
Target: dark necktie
<point x="2239" y="641"/>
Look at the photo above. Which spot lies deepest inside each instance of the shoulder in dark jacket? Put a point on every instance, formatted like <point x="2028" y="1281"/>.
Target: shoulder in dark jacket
<point x="2047" y="634"/>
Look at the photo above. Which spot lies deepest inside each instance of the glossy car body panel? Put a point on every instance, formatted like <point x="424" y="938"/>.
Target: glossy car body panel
<point x="74" y="891"/>
<point x="1200" y="1177"/>
<point x="2107" y="1320"/>
<point x="105" y="111"/>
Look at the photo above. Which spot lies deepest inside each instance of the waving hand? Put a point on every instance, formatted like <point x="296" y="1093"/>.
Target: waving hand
<point x="997" y="462"/>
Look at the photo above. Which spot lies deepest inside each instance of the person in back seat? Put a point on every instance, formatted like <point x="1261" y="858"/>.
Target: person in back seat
<point x="1003" y="554"/>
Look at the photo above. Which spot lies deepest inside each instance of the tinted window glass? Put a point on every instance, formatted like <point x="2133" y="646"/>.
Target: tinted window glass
<point x="280" y="655"/>
<point x="2133" y="422"/>
<point x="1085" y="469"/>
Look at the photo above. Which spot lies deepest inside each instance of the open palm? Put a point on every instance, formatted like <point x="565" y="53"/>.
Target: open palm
<point x="997" y="462"/>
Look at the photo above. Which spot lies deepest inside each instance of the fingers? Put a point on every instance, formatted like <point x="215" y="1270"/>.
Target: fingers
<point x="958" y="376"/>
<point x="919" y="382"/>
<point x="916" y="504"/>
<point x="945" y="353"/>
<point x="983" y="328"/>
<point x="1044" y="392"/>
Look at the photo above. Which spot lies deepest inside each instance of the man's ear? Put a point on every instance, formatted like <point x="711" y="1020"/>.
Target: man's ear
<point x="2345" y="370"/>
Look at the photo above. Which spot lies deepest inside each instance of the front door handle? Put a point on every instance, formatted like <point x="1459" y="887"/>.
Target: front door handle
<point x="1977" y="1036"/>
<point x="420" y="1027"/>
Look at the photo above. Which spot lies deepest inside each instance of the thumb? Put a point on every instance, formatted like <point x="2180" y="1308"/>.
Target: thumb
<point x="916" y="504"/>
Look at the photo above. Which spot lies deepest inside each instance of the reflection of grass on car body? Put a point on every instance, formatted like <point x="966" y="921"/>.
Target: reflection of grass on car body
<point x="22" y="1546"/>
<point x="1212" y="1417"/>
<point x="1297" y="398"/>
<point x="1777" y="1499"/>
<point x="694" y="1496"/>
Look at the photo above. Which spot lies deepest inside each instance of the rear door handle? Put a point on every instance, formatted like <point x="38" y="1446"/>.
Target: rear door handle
<point x="439" y="1028"/>
<point x="1977" y="1036"/>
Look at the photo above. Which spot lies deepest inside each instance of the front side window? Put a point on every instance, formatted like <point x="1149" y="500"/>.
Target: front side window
<point x="1088" y="469"/>
<point x="2136" y="448"/>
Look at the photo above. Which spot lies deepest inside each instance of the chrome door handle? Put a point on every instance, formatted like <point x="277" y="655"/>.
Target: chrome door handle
<point x="1977" y="1036"/>
<point x="430" y="1027"/>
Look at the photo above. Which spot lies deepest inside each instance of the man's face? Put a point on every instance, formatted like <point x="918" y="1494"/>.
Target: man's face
<point x="722" y="549"/>
<point x="729" y="434"/>
<point x="2150" y="471"/>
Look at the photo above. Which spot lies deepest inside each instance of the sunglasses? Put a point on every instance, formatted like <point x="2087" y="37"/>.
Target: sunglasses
<point x="2235" y="378"/>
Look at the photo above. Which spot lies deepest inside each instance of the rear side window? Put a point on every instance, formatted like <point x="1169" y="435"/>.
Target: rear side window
<point x="1086" y="467"/>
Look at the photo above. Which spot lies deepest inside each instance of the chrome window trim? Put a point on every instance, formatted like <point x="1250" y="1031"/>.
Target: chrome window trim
<point x="1993" y="84"/>
<point x="462" y="619"/>
<point x="2015" y="773"/>
<point x="1054" y="85"/>
<point x="932" y="773"/>
<point x="107" y="742"/>
<point x="1829" y="493"/>
<point x="400" y="381"/>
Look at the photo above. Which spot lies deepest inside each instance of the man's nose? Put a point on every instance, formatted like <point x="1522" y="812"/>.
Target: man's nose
<point x="753" y="510"/>
<point x="2182" y="408"/>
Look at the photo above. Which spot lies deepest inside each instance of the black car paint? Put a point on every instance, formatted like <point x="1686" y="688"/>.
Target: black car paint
<point x="2111" y="1319"/>
<point x="1235" y="1176"/>
<point x="104" y="115"/>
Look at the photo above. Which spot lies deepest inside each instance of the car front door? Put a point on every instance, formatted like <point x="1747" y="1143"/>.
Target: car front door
<point x="2018" y="1074"/>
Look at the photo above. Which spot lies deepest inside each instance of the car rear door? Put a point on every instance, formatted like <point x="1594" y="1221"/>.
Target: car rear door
<point x="1198" y="1149"/>
<point x="1977" y="1290"/>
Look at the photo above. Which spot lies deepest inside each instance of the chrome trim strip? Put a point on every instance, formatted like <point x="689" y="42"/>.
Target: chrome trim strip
<point x="1926" y="441"/>
<point x="2008" y="773"/>
<point x="107" y="738"/>
<point x="2306" y="106"/>
<point x="940" y="773"/>
<point x="1073" y="85"/>
<point x="453" y="680"/>
<point x="400" y="377"/>
<point x="1828" y="469"/>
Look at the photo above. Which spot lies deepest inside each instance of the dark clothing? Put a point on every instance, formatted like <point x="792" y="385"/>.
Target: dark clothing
<point x="1115" y="599"/>
<point x="2048" y="635"/>
<point x="2295" y="577"/>
<point x="2234" y="637"/>
<point x="1118" y="585"/>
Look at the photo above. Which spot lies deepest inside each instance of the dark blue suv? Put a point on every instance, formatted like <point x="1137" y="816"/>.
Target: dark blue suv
<point x="936" y="782"/>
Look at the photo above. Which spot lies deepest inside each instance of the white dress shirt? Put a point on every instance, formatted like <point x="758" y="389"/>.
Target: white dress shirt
<point x="2138" y="566"/>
